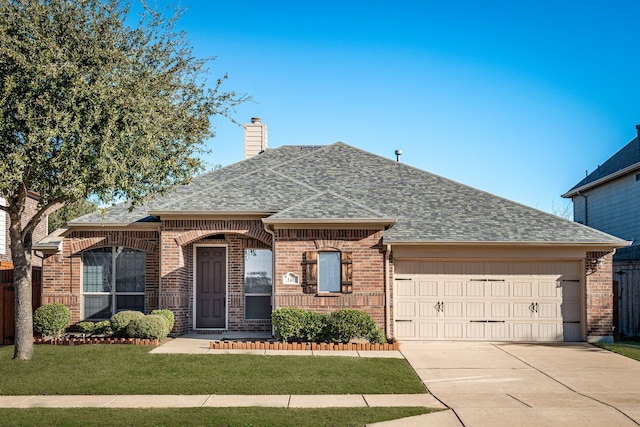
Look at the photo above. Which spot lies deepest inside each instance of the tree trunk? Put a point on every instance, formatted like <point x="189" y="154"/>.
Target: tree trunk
<point x="21" y="256"/>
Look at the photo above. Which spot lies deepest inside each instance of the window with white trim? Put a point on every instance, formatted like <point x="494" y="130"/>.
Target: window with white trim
<point x="113" y="280"/>
<point x="258" y="283"/>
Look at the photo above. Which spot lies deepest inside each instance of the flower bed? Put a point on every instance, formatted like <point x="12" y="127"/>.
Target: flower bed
<point x="95" y="340"/>
<point x="310" y="346"/>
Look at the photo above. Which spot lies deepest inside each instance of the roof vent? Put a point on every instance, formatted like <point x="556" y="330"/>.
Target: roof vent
<point x="398" y="154"/>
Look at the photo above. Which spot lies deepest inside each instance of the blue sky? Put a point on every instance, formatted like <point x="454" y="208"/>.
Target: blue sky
<point x="516" y="98"/>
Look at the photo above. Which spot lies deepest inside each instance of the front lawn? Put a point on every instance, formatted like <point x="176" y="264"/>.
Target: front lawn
<point x="255" y="417"/>
<point x="124" y="369"/>
<point x="629" y="349"/>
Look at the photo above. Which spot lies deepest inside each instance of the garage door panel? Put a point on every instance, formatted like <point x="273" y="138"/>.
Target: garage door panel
<point x="547" y="311"/>
<point x="428" y="309"/>
<point x="428" y="330"/>
<point x="522" y="301"/>
<point x="428" y="289"/>
<point x="475" y="309"/>
<point x="452" y="309"/>
<point x="522" y="331"/>
<point x="405" y="288"/>
<point x="500" y="310"/>
<point x="476" y="331"/>
<point x="475" y="289"/>
<point x="453" y="330"/>
<point x="549" y="289"/>
<point x="406" y="309"/>
<point x="500" y="331"/>
<point x="453" y="289"/>
<point x="523" y="289"/>
<point x="500" y="289"/>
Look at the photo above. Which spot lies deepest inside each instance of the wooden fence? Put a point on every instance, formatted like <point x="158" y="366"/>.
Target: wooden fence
<point x="7" y="302"/>
<point x="627" y="275"/>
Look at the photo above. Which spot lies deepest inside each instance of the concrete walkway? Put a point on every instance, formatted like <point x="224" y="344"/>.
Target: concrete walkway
<point x="497" y="384"/>
<point x="529" y="384"/>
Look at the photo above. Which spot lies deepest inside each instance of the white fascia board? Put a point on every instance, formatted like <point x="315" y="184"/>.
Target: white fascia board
<point x="597" y="182"/>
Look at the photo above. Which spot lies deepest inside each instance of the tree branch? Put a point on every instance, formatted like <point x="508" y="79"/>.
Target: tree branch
<point x="50" y="207"/>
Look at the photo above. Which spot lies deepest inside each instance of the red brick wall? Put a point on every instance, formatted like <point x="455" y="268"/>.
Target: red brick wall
<point x="368" y="270"/>
<point x="177" y="267"/>
<point x="62" y="273"/>
<point x="599" y="297"/>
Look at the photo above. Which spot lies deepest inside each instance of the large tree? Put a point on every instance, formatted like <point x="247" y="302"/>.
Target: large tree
<point x="93" y="106"/>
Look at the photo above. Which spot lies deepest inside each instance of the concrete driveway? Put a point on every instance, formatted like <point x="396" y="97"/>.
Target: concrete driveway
<point x="505" y="384"/>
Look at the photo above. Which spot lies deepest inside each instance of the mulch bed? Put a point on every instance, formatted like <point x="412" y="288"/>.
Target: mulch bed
<point x="271" y="345"/>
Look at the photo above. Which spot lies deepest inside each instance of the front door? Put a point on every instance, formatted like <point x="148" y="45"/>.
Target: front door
<point x="211" y="287"/>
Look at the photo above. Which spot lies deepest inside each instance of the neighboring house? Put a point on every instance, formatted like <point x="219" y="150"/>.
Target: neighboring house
<point x="7" y="293"/>
<point x="608" y="199"/>
<point x="329" y="227"/>
<point x="5" y="241"/>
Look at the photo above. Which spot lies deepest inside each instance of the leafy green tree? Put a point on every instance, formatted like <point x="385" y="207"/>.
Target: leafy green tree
<point x="68" y="212"/>
<point x="92" y="106"/>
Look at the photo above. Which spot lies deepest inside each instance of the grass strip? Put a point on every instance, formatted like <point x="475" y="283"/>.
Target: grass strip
<point x="241" y="417"/>
<point x="123" y="369"/>
<point x="630" y="350"/>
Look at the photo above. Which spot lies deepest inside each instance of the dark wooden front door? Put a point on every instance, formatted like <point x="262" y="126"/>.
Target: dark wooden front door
<point x="211" y="283"/>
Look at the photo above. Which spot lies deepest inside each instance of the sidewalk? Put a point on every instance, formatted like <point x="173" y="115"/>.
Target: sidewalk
<point x="221" y="401"/>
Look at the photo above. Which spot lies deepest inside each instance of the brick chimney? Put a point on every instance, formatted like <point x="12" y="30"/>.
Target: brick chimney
<point x="255" y="137"/>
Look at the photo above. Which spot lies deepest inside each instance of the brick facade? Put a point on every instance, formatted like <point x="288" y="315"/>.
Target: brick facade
<point x="599" y="292"/>
<point x="62" y="273"/>
<point x="368" y="293"/>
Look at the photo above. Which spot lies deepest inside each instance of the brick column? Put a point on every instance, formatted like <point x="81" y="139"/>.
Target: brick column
<point x="599" y="289"/>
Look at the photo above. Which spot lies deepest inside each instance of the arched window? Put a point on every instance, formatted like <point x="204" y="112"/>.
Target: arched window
<point x="113" y="279"/>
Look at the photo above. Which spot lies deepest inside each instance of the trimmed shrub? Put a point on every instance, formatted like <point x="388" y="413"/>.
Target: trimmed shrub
<point x="51" y="319"/>
<point x="95" y="328"/>
<point x="120" y="321"/>
<point x="347" y="324"/>
<point x="103" y="328"/>
<point x="168" y="315"/>
<point x="86" y="328"/>
<point x="296" y="324"/>
<point x="148" y="327"/>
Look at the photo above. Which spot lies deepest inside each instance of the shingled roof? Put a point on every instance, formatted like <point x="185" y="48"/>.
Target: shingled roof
<point x="627" y="158"/>
<point x="340" y="182"/>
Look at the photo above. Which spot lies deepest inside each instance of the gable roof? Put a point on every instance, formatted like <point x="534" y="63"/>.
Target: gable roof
<point x="624" y="161"/>
<point x="341" y="183"/>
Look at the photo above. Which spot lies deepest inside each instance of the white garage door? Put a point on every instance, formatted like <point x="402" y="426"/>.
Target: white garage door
<point x="490" y="301"/>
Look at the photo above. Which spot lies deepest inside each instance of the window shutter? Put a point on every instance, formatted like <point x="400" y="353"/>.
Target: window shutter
<point x="346" y="279"/>
<point x="310" y="262"/>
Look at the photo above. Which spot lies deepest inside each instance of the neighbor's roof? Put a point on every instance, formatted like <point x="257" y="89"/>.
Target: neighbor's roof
<point x="340" y="182"/>
<point x="624" y="161"/>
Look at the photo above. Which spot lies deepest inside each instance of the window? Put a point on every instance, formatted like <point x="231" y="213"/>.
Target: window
<point x="327" y="271"/>
<point x="113" y="280"/>
<point x="258" y="279"/>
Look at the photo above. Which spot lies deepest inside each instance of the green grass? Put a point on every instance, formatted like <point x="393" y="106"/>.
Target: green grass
<point x="243" y="417"/>
<point x="123" y="369"/>
<point x="629" y="349"/>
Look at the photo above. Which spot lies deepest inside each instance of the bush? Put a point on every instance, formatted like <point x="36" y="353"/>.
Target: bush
<point x="148" y="327"/>
<point x="347" y="324"/>
<point x="120" y="321"/>
<point x="169" y="317"/>
<point x="103" y="328"/>
<point x="95" y="328"/>
<point x="296" y="324"/>
<point x="86" y="328"/>
<point x="51" y="319"/>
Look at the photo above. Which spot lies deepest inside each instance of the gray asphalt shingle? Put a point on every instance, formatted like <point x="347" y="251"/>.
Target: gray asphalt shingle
<point x="341" y="181"/>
